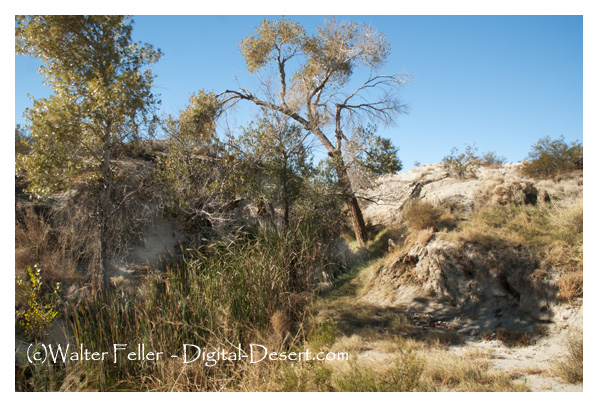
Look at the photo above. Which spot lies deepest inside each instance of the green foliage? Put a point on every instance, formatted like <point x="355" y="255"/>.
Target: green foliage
<point x="551" y="158"/>
<point x="324" y="334"/>
<point x="312" y="72"/>
<point x="221" y="294"/>
<point x="41" y="309"/>
<point x="279" y="40"/>
<point x="462" y="165"/>
<point x="370" y="156"/>
<point x="276" y="162"/>
<point x="322" y="200"/>
<point x="102" y="94"/>
<point x="196" y="169"/>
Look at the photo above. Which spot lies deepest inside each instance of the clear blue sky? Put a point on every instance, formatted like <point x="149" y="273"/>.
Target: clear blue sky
<point x="501" y="82"/>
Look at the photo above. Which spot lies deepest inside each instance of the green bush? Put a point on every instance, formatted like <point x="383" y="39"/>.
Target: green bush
<point x="41" y="309"/>
<point x="552" y="158"/>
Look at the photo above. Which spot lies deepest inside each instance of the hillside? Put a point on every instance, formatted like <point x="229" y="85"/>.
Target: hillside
<point x="469" y="284"/>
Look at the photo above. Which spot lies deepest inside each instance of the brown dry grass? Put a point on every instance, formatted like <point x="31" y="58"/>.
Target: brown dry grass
<point x="571" y="369"/>
<point x="445" y="371"/>
<point x="420" y="215"/>
<point x="36" y="242"/>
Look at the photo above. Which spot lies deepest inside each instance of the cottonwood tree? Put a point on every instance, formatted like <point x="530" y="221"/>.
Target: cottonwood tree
<point x="102" y="98"/>
<point x="312" y="84"/>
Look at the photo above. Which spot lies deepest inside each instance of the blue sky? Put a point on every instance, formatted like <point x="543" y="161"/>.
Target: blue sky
<point x="501" y="82"/>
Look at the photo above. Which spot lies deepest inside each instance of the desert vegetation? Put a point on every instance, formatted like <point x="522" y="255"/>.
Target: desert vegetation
<point x="172" y="231"/>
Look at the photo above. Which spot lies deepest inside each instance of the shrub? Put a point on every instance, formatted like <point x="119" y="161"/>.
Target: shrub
<point x="41" y="309"/>
<point x="552" y="158"/>
<point x="462" y="165"/>
<point x="491" y="159"/>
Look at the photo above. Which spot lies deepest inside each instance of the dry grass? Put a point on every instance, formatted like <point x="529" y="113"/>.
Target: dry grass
<point x="551" y="233"/>
<point x="446" y="371"/>
<point x="570" y="286"/>
<point x="420" y="215"/>
<point x="571" y="370"/>
<point x="36" y="242"/>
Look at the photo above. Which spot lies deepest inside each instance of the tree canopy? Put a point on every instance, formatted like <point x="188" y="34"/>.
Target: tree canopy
<point x="101" y="94"/>
<point x="102" y="97"/>
<point x="312" y="84"/>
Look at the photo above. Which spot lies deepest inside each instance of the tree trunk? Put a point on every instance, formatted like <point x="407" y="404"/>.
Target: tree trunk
<point x="103" y="215"/>
<point x="351" y="201"/>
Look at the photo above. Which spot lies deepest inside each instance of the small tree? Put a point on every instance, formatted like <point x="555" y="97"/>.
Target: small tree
<point x="102" y="97"/>
<point x="551" y="158"/>
<point x="277" y="157"/>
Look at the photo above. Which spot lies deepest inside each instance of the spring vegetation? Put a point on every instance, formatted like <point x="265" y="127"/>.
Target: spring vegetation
<point x="272" y="246"/>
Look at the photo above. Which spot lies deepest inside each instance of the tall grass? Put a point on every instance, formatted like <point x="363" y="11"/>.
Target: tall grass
<point x="220" y="296"/>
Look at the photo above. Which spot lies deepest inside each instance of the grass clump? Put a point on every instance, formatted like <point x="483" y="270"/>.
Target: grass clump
<point x="403" y="375"/>
<point x="420" y="215"/>
<point x="448" y="372"/>
<point x="571" y="370"/>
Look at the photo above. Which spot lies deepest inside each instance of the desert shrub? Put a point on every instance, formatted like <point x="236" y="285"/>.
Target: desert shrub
<point x="492" y="159"/>
<point x="552" y="158"/>
<point x="571" y="369"/>
<point x="421" y="215"/>
<point x="462" y="165"/>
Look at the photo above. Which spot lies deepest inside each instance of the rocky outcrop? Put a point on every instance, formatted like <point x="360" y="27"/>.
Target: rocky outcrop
<point x="432" y="182"/>
<point x="484" y="289"/>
